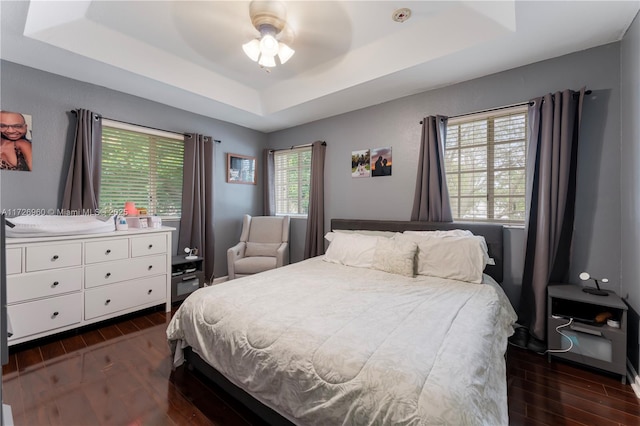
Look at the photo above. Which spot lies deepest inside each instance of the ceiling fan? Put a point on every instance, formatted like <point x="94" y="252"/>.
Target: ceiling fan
<point x="269" y="18"/>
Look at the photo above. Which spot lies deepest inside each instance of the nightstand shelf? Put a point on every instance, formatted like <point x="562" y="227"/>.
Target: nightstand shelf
<point x="597" y="345"/>
<point x="187" y="275"/>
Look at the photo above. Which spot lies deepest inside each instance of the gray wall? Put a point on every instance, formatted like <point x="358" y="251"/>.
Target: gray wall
<point x="597" y="229"/>
<point x="630" y="180"/>
<point x="49" y="98"/>
<point x="396" y="124"/>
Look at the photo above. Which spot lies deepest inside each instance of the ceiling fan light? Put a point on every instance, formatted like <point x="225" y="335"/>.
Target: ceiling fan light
<point x="252" y="49"/>
<point x="267" y="61"/>
<point x="269" y="45"/>
<point x="285" y="53"/>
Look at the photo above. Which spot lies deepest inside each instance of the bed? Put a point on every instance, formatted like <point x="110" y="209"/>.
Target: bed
<point x="325" y="342"/>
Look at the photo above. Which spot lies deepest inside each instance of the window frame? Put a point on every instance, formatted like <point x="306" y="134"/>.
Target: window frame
<point x="300" y="181"/>
<point x="150" y="133"/>
<point x="491" y="144"/>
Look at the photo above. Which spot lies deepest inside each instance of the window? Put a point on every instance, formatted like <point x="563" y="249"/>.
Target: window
<point x="142" y="166"/>
<point x="292" y="181"/>
<point x="485" y="157"/>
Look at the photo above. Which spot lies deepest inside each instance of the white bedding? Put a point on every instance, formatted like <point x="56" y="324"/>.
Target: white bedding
<point x="52" y="225"/>
<point x="329" y="344"/>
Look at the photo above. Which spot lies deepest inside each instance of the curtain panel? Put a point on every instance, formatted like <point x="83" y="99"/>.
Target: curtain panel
<point x="196" y="223"/>
<point x="431" y="199"/>
<point x="82" y="189"/>
<point x="314" y="241"/>
<point x="554" y="124"/>
<point x="269" y="203"/>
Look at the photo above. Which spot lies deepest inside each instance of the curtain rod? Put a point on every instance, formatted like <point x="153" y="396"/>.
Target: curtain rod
<point x="324" y="143"/>
<point x="587" y="92"/>
<point x="207" y="138"/>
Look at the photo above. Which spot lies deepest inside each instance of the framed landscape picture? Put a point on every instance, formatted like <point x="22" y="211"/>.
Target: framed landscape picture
<point x="241" y="169"/>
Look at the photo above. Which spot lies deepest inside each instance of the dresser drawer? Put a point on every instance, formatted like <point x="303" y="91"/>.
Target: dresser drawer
<point x="14" y="261"/>
<point x="118" y="297"/>
<point x="103" y="251"/>
<point x="37" y="285"/>
<point x="123" y="270"/>
<point x="149" y="244"/>
<point x="44" y="315"/>
<point x="53" y="256"/>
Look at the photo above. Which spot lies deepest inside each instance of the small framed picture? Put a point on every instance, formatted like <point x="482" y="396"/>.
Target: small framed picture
<point x="15" y="150"/>
<point x="381" y="161"/>
<point x="360" y="167"/>
<point x="241" y="169"/>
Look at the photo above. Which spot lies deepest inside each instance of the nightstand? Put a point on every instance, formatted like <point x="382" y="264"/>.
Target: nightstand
<point x="596" y="345"/>
<point x="186" y="277"/>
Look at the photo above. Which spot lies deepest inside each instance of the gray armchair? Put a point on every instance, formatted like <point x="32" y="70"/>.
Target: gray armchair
<point x="264" y="245"/>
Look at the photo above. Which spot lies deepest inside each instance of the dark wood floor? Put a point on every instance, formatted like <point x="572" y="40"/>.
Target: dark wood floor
<point x="120" y="373"/>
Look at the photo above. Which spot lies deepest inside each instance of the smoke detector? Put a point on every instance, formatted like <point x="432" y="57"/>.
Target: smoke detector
<point x="401" y="15"/>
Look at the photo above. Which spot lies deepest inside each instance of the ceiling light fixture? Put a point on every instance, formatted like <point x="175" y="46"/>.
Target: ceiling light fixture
<point x="269" y="18"/>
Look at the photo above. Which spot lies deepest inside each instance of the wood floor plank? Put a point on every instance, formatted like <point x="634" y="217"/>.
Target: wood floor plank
<point x="128" y="327"/>
<point x="28" y="358"/>
<point x="73" y="343"/>
<point x="110" y="331"/>
<point x="52" y="350"/>
<point x="92" y="337"/>
<point x="11" y="366"/>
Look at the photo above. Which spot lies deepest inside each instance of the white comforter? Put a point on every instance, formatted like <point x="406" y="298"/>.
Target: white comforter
<point x="328" y="344"/>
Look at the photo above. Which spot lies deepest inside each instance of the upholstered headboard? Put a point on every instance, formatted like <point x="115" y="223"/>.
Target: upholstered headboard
<point x="491" y="232"/>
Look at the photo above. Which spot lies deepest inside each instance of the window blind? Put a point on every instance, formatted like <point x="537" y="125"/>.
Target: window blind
<point x="143" y="168"/>
<point x="292" y="181"/>
<point x="485" y="159"/>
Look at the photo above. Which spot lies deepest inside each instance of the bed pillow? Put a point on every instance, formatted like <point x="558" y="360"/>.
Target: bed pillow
<point x="386" y="234"/>
<point x="456" y="233"/>
<point x="441" y="233"/>
<point x="461" y="258"/>
<point x="373" y="233"/>
<point x="352" y="250"/>
<point x="396" y="256"/>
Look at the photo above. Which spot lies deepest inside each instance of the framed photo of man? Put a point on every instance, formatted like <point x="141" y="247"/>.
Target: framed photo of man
<point x="15" y="148"/>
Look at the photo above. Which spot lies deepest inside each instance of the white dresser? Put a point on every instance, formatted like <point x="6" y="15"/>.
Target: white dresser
<point x="60" y="283"/>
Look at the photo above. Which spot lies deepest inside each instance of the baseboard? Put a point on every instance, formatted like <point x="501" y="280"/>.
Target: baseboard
<point x="634" y="379"/>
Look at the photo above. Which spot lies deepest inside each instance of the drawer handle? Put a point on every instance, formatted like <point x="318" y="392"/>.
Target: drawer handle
<point x="108" y="275"/>
<point x="55" y="283"/>
<point x="55" y="257"/>
<point x="108" y="251"/>
<point x="150" y="267"/>
<point x="55" y="314"/>
<point x="150" y="246"/>
<point x="149" y="292"/>
<point x="107" y="301"/>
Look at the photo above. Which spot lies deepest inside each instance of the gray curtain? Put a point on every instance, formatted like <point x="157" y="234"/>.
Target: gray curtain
<point x="196" y="223"/>
<point x="314" y="241"/>
<point x="431" y="199"/>
<point x="269" y="183"/>
<point x="82" y="190"/>
<point x="554" y="123"/>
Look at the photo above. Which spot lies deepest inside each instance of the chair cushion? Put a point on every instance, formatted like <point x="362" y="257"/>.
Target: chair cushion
<point x="261" y="249"/>
<point x="253" y="265"/>
<point x="266" y="229"/>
